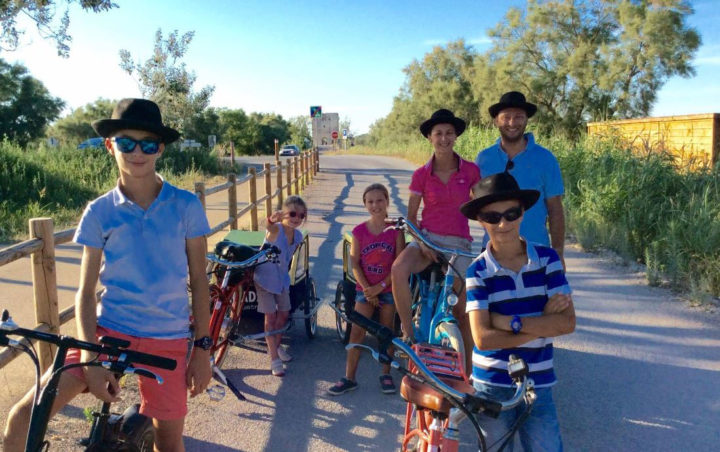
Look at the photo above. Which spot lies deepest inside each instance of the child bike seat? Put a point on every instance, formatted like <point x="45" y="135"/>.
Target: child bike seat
<point x="234" y="252"/>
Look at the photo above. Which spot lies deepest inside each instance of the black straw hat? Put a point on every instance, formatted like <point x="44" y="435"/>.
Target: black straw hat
<point x="498" y="187"/>
<point x="443" y="116"/>
<point x="513" y="99"/>
<point x="138" y="114"/>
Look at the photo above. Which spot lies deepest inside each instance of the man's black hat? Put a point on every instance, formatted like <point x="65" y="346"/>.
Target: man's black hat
<point x="513" y="99"/>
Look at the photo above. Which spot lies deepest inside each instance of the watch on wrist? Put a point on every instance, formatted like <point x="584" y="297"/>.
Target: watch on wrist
<point x="516" y="324"/>
<point x="204" y="343"/>
<point x="383" y="285"/>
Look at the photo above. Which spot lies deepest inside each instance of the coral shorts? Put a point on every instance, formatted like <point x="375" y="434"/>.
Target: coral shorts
<point x="164" y="402"/>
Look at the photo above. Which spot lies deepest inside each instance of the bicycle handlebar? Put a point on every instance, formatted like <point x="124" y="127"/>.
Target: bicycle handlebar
<point x="472" y="402"/>
<point x="403" y="224"/>
<point x="8" y="328"/>
<point x="269" y="254"/>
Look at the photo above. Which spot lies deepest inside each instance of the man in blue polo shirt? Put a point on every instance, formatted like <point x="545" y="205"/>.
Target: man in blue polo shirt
<point x="533" y="166"/>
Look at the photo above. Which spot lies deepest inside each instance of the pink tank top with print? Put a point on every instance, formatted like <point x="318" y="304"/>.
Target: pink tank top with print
<point x="377" y="253"/>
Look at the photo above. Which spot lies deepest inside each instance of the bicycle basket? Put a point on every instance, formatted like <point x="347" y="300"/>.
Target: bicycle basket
<point x="442" y="361"/>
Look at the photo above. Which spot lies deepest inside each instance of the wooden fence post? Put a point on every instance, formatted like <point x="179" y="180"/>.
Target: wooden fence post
<point x="302" y="172"/>
<point x="200" y="192"/>
<point x="288" y="177"/>
<point x="297" y="178"/>
<point x="317" y="160"/>
<point x="268" y="190"/>
<point x="44" y="279"/>
<point x="253" y="199"/>
<point x="232" y="201"/>
<point x="307" y="170"/>
<point x="279" y="183"/>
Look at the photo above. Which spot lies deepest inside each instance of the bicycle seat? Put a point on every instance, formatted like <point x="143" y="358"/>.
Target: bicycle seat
<point x="428" y="398"/>
<point x="234" y="252"/>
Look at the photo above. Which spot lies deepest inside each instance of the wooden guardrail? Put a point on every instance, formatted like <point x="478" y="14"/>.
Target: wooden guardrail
<point x="41" y="246"/>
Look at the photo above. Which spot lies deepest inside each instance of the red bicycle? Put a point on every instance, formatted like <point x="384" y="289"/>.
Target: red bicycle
<point x="232" y="266"/>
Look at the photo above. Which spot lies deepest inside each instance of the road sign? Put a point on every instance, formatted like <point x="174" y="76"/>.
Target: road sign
<point x="334" y="135"/>
<point x="212" y="141"/>
<point x="315" y="112"/>
<point x="344" y="134"/>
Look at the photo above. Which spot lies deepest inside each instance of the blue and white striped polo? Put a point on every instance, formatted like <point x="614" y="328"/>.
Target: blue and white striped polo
<point x="497" y="289"/>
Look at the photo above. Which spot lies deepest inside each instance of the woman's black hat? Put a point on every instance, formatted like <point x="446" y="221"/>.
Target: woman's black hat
<point x="498" y="187"/>
<point x="443" y="116"/>
<point x="138" y="114"/>
<point x="513" y="99"/>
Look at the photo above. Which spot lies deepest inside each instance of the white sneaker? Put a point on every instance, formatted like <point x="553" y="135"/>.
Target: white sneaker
<point x="283" y="355"/>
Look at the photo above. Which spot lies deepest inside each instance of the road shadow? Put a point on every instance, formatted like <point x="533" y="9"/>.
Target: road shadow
<point x="646" y="406"/>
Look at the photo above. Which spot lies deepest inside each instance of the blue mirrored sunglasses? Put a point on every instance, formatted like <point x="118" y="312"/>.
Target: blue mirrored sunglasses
<point x="127" y="145"/>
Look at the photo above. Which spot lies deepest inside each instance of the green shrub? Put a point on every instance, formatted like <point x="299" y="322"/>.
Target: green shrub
<point x="59" y="182"/>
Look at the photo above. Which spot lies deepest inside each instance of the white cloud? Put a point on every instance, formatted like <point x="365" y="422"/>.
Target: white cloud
<point x="483" y="40"/>
<point x="434" y="42"/>
<point x="708" y="61"/>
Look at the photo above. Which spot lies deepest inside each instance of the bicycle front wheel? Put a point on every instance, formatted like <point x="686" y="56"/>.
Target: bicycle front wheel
<point x="224" y="318"/>
<point x="451" y="337"/>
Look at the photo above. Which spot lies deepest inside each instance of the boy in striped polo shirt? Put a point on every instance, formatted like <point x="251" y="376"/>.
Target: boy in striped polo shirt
<point x="517" y="299"/>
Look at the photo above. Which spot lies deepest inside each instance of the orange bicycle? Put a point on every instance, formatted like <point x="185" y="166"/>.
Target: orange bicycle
<point x="438" y="396"/>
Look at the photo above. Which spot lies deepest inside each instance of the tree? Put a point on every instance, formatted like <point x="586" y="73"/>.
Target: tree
<point x="164" y="79"/>
<point x="585" y="60"/>
<point x="26" y="106"/>
<point x="578" y="60"/>
<point x="42" y="12"/>
<point x="77" y="126"/>
<point x="204" y="124"/>
<point x="299" y="129"/>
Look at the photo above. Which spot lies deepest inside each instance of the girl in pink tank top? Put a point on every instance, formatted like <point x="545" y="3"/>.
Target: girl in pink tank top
<point x="372" y="254"/>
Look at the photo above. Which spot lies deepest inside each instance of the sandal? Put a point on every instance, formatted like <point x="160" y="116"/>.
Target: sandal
<point x="284" y="355"/>
<point x="386" y="384"/>
<point x="277" y="368"/>
<point x="342" y="386"/>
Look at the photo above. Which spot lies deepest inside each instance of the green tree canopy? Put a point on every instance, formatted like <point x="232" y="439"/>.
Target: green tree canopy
<point x="43" y="13"/>
<point x="299" y="129"/>
<point x="26" y="106"/>
<point x="77" y="126"/>
<point x="578" y="60"/>
<point x="166" y="80"/>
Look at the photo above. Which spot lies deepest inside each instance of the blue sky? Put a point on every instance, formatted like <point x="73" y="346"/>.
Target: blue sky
<point x="284" y="56"/>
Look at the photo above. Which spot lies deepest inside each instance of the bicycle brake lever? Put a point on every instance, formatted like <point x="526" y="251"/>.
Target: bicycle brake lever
<point x="144" y="373"/>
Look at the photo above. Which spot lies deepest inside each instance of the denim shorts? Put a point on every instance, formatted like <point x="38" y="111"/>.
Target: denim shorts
<point x="385" y="298"/>
<point x="539" y="432"/>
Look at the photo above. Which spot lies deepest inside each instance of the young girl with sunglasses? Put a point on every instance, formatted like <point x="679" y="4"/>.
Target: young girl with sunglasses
<point x="272" y="281"/>
<point x="372" y="254"/>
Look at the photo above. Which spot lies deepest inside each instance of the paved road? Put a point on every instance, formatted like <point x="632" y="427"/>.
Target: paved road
<point x="640" y="373"/>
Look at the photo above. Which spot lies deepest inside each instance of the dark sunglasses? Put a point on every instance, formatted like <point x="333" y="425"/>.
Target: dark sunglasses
<point x="492" y="217"/>
<point x="294" y="214"/>
<point x="127" y="145"/>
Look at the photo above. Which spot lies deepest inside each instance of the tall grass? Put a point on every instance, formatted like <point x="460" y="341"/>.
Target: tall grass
<point x="58" y="182"/>
<point x="643" y="207"/>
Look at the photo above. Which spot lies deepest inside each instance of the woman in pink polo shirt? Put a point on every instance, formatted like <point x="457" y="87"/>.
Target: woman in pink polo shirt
<point x="443" y="184"/>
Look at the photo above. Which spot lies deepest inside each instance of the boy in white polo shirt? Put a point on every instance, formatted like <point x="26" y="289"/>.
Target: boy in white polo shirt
<point x="152" y="237"/>
<point x="518" y="300"/>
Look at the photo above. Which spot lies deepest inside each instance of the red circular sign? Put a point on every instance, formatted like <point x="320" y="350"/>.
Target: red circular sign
<point x="334" y="135"/>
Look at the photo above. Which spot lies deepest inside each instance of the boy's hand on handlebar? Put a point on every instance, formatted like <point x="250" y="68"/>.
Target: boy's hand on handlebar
<point x="199" y="372"/>
<point x="557" y="303"/>
<point x="102" y="383"/>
